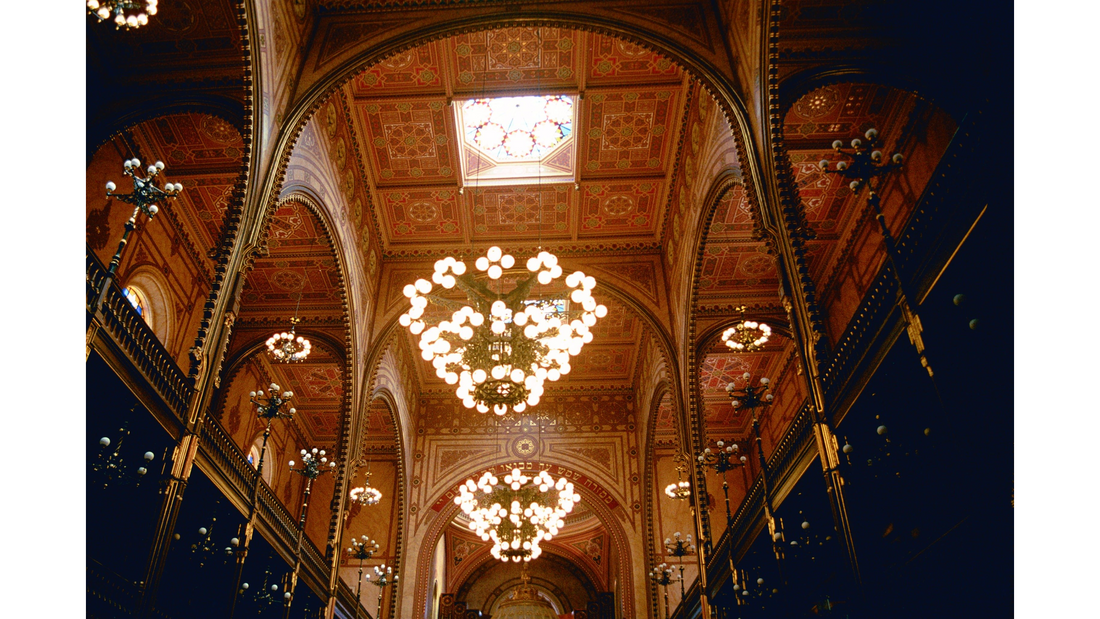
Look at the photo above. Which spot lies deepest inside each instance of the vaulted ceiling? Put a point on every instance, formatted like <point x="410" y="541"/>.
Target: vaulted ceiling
<point x="369" y="191"/>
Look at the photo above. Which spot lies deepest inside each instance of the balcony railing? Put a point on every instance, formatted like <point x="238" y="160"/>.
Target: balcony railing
<point x="781" y="466"/>
<point x="129" y="331"/>
<point x="235" y="475"/>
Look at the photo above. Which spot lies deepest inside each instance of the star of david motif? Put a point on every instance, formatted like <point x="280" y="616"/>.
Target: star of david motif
<point x="623" y="131"/>
<point x="513" y="49"/>
<point x="410" y="140"/>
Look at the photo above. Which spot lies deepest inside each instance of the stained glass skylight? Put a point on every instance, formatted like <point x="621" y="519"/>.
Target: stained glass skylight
<point x="517" y="138"/>
<point x="518" y="128"/>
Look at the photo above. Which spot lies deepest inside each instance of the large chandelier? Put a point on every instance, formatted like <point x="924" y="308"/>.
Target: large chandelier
<point x="500" y="348"/>
<point x="127" y="13"/>
<point x="746" y="335"/>
<point x="518" y="514"/>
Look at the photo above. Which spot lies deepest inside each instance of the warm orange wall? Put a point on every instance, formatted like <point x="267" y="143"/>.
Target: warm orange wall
<point x="378" y="522"/>
<point x="856" y="269"/>
<point x="156" y="244"/>
<point x="789" y="388"/>
<point x="669" y="516"/>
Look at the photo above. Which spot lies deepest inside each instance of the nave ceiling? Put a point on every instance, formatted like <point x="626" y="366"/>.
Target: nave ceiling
<point x="368" y="190"/>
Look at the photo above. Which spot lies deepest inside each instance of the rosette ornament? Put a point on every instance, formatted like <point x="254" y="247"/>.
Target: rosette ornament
<point x="499" y="349"/>
<point x="517" y="514"/>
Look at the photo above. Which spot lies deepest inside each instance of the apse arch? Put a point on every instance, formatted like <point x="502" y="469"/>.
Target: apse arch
<point x="450" y="509"/>
<point x="554" y="554"/>
<point x="483" y="561"/>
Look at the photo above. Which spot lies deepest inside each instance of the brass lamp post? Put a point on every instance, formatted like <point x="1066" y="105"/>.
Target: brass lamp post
<point x="314" y="464"/>
<point x="864" y="164"/>
<point x="754" y="397"/>
<point x="662" y="575"/>
<point x="361" y="549"/>
<point x="383" y="577"/>
<point x="145" y="197"/>
<point x="680" y="547"/>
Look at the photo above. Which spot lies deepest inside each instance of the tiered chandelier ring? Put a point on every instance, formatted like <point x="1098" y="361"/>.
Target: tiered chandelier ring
<point x="746" y="335"/>
<point x="289" y="347"/>
<point x="501" y="348"/>
<point x="127" y="14"/>
<point x="518" y="514"/>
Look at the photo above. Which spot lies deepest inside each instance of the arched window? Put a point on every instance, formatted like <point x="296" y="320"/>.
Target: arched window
<point x="269" y="458"/>
<point x="137" y="299"/>
<point x="148" y="292"/>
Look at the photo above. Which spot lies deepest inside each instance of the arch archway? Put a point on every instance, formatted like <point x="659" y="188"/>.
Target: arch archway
<point x="602" y="503"/>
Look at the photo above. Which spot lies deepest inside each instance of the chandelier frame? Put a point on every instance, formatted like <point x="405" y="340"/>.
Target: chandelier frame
<point x="500" y="348"/>
<point x="517" y="514"/>
<point x="746" y="335"/>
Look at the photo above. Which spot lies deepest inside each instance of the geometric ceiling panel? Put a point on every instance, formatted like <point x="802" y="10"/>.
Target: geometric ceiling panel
<point x="613" y="60"/>
<point x="517" y="58"/>
<point x="838" y="110"/>
<point x="733" y="217"/>
<point x="724" y="421"/>
<point x="718" y="369"/>
<point x="629" y="132"/>
<point x="665" y="426"/>
<point x="313" y="383"/>
<point x="603" y="363"/>
<point x="407" y="72"/>
<point x="417" y="215"/>
<point x="737" y="267"/>
<point x="293" y="229"/>
<point x="411" y="140"/>
<point x="299" y="274"/>
<point x="521" y="212"/>
<point x="379" y="422"/>
<point x="280" y="283"/>
<point x="621" y="323"/>
<point x="610" y="208"/>
<point x="824" y="196"/>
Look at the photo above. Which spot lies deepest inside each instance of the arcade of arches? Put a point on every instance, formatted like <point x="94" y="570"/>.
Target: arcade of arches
<point x="325" y="167"/>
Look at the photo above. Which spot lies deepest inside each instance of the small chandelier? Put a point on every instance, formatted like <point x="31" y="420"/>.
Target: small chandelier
<point x="127" y="13"/>
<point x="518" y="514"/>
<point x="679" y="546"/>
<point x="287" y="347"/>
<point x="748" y="396"/>
<point x="681" y="489"/>
<point x="314" y="464"/>
<point x="746" y="335"/>
<point x="365" y="494"/>
<point x="678" y="490"/>
<point x="500" y="348"/>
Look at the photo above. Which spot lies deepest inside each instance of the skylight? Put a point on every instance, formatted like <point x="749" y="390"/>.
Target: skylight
<point x="517" y="139"/>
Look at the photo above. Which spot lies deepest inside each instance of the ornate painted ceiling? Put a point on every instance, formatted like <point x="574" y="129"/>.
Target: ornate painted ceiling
<point x="372" y="193"/>
<point x="629" y="115"/>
